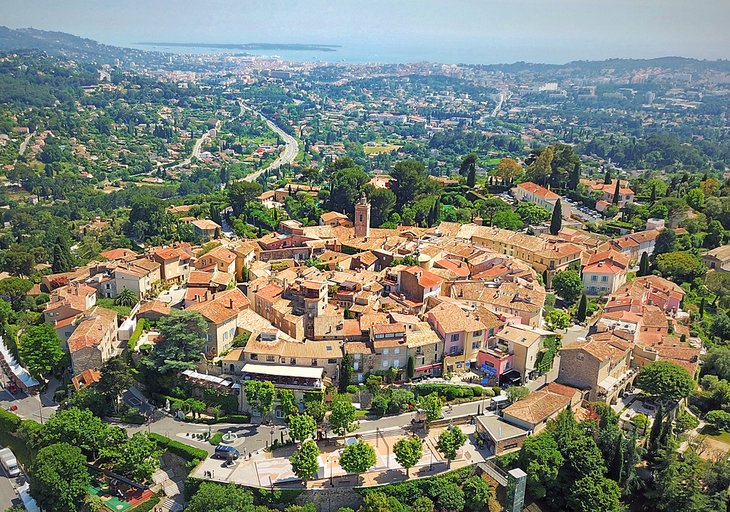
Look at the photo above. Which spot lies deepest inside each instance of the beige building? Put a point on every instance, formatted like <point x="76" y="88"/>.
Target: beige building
<point x="94" y="340"/>
<point x="603" y="368"/>
<point x="221" y="313"/>
<point x="534" y="412"/>
<point x="524" y="343"/>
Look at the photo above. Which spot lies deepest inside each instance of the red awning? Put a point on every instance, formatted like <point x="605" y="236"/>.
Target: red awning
<point x="427" y="367"/>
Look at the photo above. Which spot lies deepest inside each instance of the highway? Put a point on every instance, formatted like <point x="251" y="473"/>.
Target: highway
<point x="290" y="150"/>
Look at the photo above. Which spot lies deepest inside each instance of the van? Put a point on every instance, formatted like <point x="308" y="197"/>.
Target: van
<point x="9" y="462"/>
<point x="223" y="451"/>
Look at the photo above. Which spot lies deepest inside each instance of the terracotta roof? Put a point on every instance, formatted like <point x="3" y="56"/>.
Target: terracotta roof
<point x="426" y="279"/>
<point x="86" y="378"/>
<point x="538" y="190"/>
<point x="223" y="306"/>
<point x="395" y="328"/>
<point x="154" y="306"/>
<point x="460" y="268"/>
<point x="91" y="328"/>
<point x="117" y="254"/>
<point x="599" y="350"/>
<point x="205" y="224"/>
<point x="358" y="347"/>
<point x="537" y="407"/>
<point x="221" y="253"/>
<point x="451" y="318"/>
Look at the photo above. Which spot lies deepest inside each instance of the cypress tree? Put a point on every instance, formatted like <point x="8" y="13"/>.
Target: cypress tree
<point x="643" y="265"/>
<point x="607" y="177"/>
<point x="656" y="429"/>
<point x="666" y="432"/>
<point x="471" y="178"/>
<point x="62" y="260"/>
<point x="616" y="192"/>
<point x="574" y="177"/>
<point x="702" y="309"/>
<point x="616" y="470"/>
<point x="652" y="199"/>
<point x="582" y="311"/>
<point x="411" y="368"/>
<point x="557" y="220"/>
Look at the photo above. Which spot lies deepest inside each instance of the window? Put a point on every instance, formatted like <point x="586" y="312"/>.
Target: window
<point x="454" y="337"/>
<point x="254" y="357"/>
<point x="314" y="362"/>
<point x="579" y="356"/>
<point x="594" y="278"/>
<point x="396" y="363"/>
<point x="270" y="359"/>
<point x="385" y="351"/>
<point x="292" y="361"/>
<point x="477" y="333"/>
<point x="385" y="363"/>
<point x="331" y="361"/>
<point x="418" y="350"/>
<point x="604" y="279"/>
<point x="396" y="351"/>
<point x="356" y="366"/>
<point x="357" y="357"/>
<point x="475" y="345"/>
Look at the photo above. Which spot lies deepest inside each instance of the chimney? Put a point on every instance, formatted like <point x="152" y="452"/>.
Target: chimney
<point x="230" y="303"/>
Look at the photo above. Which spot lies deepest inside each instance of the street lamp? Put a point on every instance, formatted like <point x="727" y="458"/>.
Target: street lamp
<point x="272" y="435"/>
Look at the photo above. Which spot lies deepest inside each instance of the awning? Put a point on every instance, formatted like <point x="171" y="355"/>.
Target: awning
<point x="207" y="378"/>
<point x="303" y="372"/>
<point x="427" y="367"/>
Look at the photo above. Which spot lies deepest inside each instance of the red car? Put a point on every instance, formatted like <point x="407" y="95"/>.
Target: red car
<point x="12" y="387"/>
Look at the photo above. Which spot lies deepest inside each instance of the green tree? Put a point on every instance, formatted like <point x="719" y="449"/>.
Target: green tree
<point x="665" y="242"/>
<point x="59" y="479"/>
<point x="342" y="418"/>
<point x="304" y="461"/>
<point x="594" y="492"/>
<point x="62" y="261"/>
<point x="517" y="393"/>
<point x="540" y="169"/>
<point x="556" y="221"/>
<point x="15" y="289"/>
<point x="450" y="498"/>
<point x="617" y="192"/>
<point x="644" y="268"/>
<point x="432" y="405"/>
<point x="221" y="498"/>
<point x="260" y="395"/>
<point x="582" y="311"/>
<point x="40" y="350"/>
<point x="720" y="326"/>
<point x="182" y="340"/>
<point x="346" y="369"/>
<point x="382" y="202"/>
<point x="507" y="219"/>
<point x="301" y="427"/>
<point x="357" y="457"/>
<point x="666" y="380"/>
<point x="241" y="193"/>
<point x="422" y="504"/>
<point x="477" y="493"/>
<point x="450" y="441"/>
<point x="126" y="298"/>
<point x="410" y="368"/>
<point x="346" y="186"/>
<point x="136" y="458"/>
<point x="116" y="377"/>
<point x="568" y="285"/>
<point x="408" y="451"/>
<point x="540" y="458"/>
<point x="720" y="420"/>
<point x="507" y="170"/>
<point x="288" y="405"/>
<point x="557" y="319"/>
<point x="468" y="168"/>
<point x="717" y="362"/>
<point x="531" y="213"/>
<point x="78" y="427"/>
<point x="680" y="266"/>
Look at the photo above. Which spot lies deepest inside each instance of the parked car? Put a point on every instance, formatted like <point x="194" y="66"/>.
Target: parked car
<point x="9" y="462"/>
<point x="226" y="452"/>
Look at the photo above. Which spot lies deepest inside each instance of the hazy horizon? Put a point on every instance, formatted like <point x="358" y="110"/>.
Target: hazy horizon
<point x="470" y="31"/>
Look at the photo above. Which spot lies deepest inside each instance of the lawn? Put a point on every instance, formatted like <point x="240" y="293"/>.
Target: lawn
<point x="109" y="304"/>
<point x="381" y="148"/>
<point x="718" y="435"/>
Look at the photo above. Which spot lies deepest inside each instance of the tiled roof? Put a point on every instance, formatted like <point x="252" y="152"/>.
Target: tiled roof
<point x="538" y="190"/>
<point x="224" y="306"/>
<point x="537" y="407"/>
<point x="91" y="328"/>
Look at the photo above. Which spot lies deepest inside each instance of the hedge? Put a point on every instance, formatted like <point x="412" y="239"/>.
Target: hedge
<point x="187" y="452"/>
<point x="450" y="391"/>
<point x="9" y="422"/>
<point x="261" y="496"/>
<point x="233" y="418"/>
<point x="132" y="343"/>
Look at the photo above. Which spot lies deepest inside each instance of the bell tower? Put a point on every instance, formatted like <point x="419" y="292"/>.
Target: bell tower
<point x="362" y="217"/>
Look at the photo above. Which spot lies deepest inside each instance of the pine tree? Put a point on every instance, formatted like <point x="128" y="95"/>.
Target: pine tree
<point x="582" y="311"/>
<point x="643" y="265"/>
<point x="557" y="220"/>
<point x="617" y="192"/>
<point x="666" y="433"/>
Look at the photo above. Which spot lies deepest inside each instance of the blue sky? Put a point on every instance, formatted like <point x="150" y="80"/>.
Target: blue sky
<point x="506" y="30"/>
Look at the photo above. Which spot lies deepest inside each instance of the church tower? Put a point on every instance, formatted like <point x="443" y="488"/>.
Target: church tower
<point x="362" y="217"/>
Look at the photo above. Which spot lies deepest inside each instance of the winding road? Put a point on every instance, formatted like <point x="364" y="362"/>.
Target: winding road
<point x="290" y="150"/>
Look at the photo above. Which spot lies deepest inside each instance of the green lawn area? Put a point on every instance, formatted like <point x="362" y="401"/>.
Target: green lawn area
<point x="360" y="413"/>
<point x="718" y="435"/>
<point x="109" y="304"/>
<point x="491" y="161"/>
<point x="381" y="148"/>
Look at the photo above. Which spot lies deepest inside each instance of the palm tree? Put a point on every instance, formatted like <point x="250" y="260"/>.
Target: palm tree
<point x="126" y="298"/>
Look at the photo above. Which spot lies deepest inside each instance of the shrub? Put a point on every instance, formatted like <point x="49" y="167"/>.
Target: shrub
<point x="132" y="343"/>
<point x="187" y="452"/>
<point x="216" y="438"/>
<point x="9" y="422"/>
<point x="449" y="391"/>
<point x="352" y="389"/>
<point x="147" y="506"/>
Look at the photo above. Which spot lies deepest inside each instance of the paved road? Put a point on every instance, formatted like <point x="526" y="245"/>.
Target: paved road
<point x="290" y="150"/>
<point x="24" y="144"/>
<point x="38" y="407"/>
<point x="8" y="496"/>
<point x="195" y="153"/>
